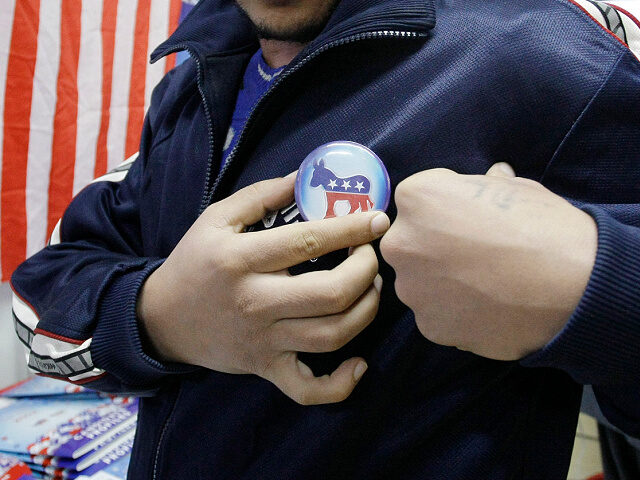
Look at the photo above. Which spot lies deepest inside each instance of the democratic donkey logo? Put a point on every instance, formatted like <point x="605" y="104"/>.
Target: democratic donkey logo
<point x="354" y="190"/>
<point x="340" y="178"/>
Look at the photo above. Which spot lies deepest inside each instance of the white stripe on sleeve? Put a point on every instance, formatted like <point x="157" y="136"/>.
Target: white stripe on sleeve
<point x="24" y="312"/>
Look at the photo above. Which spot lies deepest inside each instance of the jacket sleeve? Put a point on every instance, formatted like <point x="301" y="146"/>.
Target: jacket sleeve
<point x="597" y="167"/>
<point x="74" y="302"/>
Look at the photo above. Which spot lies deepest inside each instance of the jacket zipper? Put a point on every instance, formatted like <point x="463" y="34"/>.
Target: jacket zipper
<point x="210" y="191"/>
<point x="207" y="114"/>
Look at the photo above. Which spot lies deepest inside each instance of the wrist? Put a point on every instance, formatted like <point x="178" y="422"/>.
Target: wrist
<point x="152" y="323"/>
<point x="581" y="255"/>
<point x="570" y="276"/>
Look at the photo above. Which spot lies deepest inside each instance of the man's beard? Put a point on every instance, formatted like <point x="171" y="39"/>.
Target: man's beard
<point x="302" y="32"/>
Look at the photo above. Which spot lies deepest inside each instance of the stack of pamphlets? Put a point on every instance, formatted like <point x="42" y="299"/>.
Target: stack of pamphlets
<point x="53" y="430"/>
<point x="13" y="469"/>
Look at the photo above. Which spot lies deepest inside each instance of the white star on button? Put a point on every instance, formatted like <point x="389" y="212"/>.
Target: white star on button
<point x="332" y="183"/>
<point x="359" y="185"/>
<point x="346" y="184"/>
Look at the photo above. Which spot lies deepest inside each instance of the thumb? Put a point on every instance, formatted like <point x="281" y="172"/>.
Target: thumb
<point x="501" y="169"/>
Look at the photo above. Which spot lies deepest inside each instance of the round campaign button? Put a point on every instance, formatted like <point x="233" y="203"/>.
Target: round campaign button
<point x="340" y="178"/>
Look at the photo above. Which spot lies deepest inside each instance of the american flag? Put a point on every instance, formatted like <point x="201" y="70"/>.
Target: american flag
<point x="75" y="83"/>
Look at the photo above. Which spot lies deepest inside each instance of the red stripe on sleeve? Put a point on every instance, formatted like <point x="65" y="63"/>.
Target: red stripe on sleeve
<point x="138" y="78"/>
<point x="597" y="22"/>
<point x="15" y="150"/>
<point x="627" y="13"/>
<point x="63" y="149"/>
<point x="75" y="382"/>
<point x="109" y="18"/>
<point x="55" y="336"/>
<point x="174" y="19"/>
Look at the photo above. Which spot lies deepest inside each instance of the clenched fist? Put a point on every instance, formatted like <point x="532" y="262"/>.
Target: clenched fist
<point x="490" y="264"/>
<point x="224" y="300"/>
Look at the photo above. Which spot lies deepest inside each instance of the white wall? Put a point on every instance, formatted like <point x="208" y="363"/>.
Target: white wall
<point x="12" y="358"/>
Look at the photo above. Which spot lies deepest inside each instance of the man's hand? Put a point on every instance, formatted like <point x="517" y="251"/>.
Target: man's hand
<point x="490" y="264"/>
<point x="224" y="300"/>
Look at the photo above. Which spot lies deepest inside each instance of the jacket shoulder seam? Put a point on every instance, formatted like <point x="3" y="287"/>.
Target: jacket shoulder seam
<point x="576" y="122"/>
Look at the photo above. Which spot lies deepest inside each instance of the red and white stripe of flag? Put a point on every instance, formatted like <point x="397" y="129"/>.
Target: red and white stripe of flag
<point x="74" y="85"/>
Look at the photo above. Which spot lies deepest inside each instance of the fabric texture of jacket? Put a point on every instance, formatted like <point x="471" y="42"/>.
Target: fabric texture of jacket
<point x="536" y="83"/>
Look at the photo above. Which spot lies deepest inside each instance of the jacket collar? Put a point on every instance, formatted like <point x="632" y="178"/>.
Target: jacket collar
<point x="216" y="26"/>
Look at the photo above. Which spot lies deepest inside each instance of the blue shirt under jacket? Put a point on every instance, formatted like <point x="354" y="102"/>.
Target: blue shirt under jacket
<point x="257" y="79"/>
<point x="536" y="83"/>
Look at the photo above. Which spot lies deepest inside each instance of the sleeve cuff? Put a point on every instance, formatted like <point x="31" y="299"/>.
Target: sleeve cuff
<point x="599" y="343"/>
<point x="117" y="345"/>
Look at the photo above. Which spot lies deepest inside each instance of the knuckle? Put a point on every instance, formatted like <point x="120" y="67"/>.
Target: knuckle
<point x="306" y="243"/>
<point x="437" y="174"/>
<point x="338" y="298"/>
<point x="403" y="291"/>
<point x="433" y="333"/>
<point x="426" y="184"/>
<point x="530" y="183"/>
<point x="330" y="338"/>
<point x="372" y="263"/>
<point x="391" y="245"/>
<point x="387" y="243"/>
<point x="404" y="190"/>
<point x="302" y="396"/>
<point x="341" y="395"/>
<point x="372" y="308"/>
<point x="252" y="191"/>
<point x="261" y="366"/>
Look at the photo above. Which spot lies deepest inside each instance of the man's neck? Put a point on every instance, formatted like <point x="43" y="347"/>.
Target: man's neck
<point x="278" y="53"/>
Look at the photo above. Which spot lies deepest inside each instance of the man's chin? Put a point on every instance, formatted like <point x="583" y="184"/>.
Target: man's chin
<point x="288" y="21"/>
<point x="301" y="34"/>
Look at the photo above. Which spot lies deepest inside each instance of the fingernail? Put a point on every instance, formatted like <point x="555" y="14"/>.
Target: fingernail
<point x="377" y="283"/>
<point x="380" y="223"/>
<point x="359" y="371"/>
<point x="292" y="174"/>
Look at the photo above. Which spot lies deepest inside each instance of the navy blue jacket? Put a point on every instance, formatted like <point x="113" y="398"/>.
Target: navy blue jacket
<point x="536" y="83"/>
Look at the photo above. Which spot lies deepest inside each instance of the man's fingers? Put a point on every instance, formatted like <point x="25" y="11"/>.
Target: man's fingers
<point x="286" y="246"/>
<point x="323" y="292"/>
<point x="297" y="381"/>
<point x="329" y="333"/>
<point x="501" y="169"/>
<point x="252" y="203"/>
